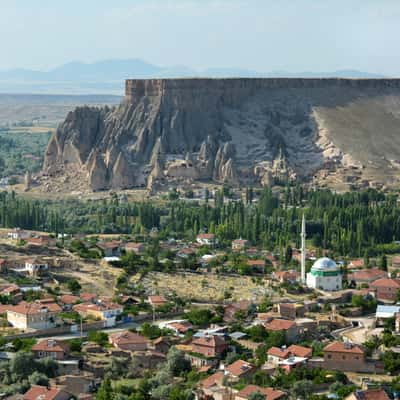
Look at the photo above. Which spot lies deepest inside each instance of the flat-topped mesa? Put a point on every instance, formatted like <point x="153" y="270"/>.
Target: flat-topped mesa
<point x="138" y="88"/>
<point x="238" y="131"/>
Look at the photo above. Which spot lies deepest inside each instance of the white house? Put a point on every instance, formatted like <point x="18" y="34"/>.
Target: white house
<point x="207" y="239"/>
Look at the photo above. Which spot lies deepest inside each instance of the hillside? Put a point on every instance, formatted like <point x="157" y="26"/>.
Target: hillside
<point x="256" y="131"/>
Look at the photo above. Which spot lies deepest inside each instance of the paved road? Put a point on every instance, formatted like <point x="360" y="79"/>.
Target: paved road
<point x="359" y="334"/>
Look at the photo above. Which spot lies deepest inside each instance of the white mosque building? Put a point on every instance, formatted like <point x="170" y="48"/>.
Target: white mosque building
<point x="325" y="274"/>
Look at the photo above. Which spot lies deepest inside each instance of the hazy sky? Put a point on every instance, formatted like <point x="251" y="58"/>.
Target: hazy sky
<point x="262" y="35"/>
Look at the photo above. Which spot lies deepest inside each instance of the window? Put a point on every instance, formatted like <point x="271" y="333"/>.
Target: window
<point x="343" y="357"/>
<point x="329" y="355"/>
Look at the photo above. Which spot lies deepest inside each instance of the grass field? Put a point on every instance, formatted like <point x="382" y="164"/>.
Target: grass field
<point x="205" y="288"/>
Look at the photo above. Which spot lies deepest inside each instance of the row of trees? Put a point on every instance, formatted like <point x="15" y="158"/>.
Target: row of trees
<point x="353" y="224"/>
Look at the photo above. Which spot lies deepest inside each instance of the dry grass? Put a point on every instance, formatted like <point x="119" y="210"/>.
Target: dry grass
<point x="204" y="288"/>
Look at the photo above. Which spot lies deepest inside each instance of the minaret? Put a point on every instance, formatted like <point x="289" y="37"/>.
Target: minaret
<point x="303" y="250"/>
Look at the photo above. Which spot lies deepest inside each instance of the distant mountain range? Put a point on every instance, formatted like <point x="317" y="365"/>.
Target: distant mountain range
<point x="108" y="76"/>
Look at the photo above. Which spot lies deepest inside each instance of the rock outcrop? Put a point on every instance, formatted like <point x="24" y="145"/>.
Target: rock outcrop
<point x="235" y="131"/>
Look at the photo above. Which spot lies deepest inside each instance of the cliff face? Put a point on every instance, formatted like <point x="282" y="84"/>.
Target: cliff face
<point x="239" y="131"/>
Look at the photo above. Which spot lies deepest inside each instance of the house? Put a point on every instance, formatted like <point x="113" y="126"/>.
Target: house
<point x="370" y="394"/>
<point x="207" y="239"/>
<point x="157" y="301"/>
<point x="240" y="370"/>
<point x="257" y="265"/>
<point x="209" y="346"/>
<point x="37" y="392"/>
<point x="366" y="276"/>
<point x="276" y="354"/>
<point x="386" y="289"/>
<point x="269" y="393"/>
<point x="291" y="310"/>
<point x="110" y="249"/>
<point x="18" y="234"/>
<point x="180" y="327"/>
<point x="134" y="247"/>
<point x="344" y="357"/>
<point x="88" y="297"/>
<point x="55" y="349"/>
<point x="35" y="267"/>
<point x="162" y="345"/>
<point x="289" y="276"/>
<point x="239" y="244"/>
<point x="105" y="311"/>
<point x="230" y="310"/>
<point x="129" y="341"/>
<point x="12" y="291"/>
<point x="186" y="252"/>
<point x="356" y="264"/>
<point x="68" y="300"/>
<point x="290" y="328"/>
<point x="212" y="388"/>
<point x="289" y="364"/>
<point x="36" y="315"/>
<point x="46" y="241"/>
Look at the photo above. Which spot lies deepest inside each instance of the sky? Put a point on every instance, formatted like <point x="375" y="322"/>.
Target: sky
<point x="260" y="35"/>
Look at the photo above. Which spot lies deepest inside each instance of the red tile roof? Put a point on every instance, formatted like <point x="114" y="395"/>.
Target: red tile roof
<point x="157" y="300"/>
<point x="69" y="299"/>
<point x="209" y="341"/>
<point x="35" y="308"/>
<point x="279" y="325"/>
<point x="367" y="274"/>
<point x="256" y="263"/>
<point x="127" y="337"/>
<point x="339" y="347"/>
<point x="371" y="394"/>
<point x="51" y="345"/>
<point x="88" y="296"/>
<point x="109" y="245"/>
<point x="42" y="393"/>
<point x="212" y="380"/>
<point x="386" y="282"/>
<point x="293" y="350"/>
<point x="269" y="393"/>
<point x="206" y="236"/>
<point x="239" y="368"/>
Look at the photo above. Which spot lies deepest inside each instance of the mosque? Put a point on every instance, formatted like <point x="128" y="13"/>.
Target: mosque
<point x="325" y="274"/>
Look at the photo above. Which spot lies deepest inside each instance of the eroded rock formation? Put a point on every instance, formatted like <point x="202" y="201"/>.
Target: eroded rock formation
<point x="236" y="131"/>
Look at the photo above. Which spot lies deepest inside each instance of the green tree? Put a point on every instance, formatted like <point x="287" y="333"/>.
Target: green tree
<point x="257" y="396"/>
<point x="74" y="286"/>
<point x="38" y="378"/>
<point x="302" y="389"/>
<point x="383" y="263"/>
<point x="105" y="391"/>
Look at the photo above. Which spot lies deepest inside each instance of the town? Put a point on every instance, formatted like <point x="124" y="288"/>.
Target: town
<point x="161" y="311"/>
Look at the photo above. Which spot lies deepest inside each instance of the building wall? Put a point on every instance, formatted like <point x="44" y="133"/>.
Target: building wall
<point x="55" y="355"/>
<point x="328" y="283"/>
<point x="132" y="346"/>
<point x="36" y="321"/>
<point x="386" y="293"/>
<point x="344" y="361"/>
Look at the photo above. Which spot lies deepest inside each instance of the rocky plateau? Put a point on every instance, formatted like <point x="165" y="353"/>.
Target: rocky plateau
<point x="254" y="131"/>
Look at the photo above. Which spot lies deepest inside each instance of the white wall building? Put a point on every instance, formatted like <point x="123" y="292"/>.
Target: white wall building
<point x="325" y="275"/>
